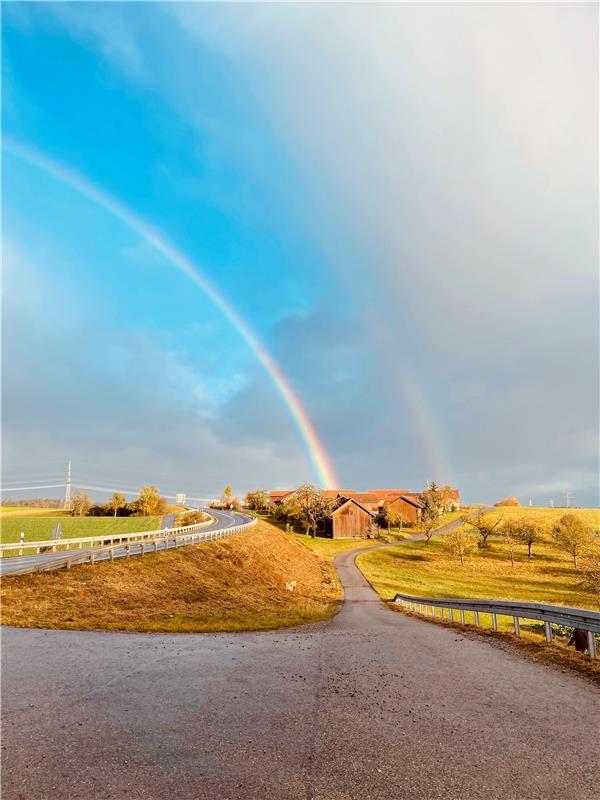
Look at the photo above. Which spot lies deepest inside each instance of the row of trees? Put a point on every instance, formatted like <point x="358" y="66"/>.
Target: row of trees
<point x="570" y="533"/>
<point x="149" y="503"/>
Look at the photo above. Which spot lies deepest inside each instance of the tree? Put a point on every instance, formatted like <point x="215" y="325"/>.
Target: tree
<point x="485" y="526"/>
<point x="590" y="570"/>
<point x="227" y="497"/>
<point x="115" y="502"/>
<point x="573" y="535"/>
<point x="258" y="500"/>
<point x="511" y="538"/>
<point x="447" y="498"/>
<point x="433" y="501"/>
<point x="428" y="524"/>
<point x="527" y="532"/>
<point x="390" y="517"/>
<point x="80" y="504"/>
<point x="308" y="506"/>
<point x="460" y="542"/>
<point x="149" y="502"/>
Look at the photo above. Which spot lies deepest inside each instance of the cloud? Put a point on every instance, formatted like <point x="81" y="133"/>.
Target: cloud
<point x="447" y="163"/>
<point x="74" y="389"/>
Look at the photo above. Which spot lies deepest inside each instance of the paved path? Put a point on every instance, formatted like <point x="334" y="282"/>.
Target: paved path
<point x="372" y="705"/>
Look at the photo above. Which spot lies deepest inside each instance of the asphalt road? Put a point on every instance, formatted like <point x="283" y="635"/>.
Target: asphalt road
<point x="15" y="564"/>
<point x="370" y="705"/>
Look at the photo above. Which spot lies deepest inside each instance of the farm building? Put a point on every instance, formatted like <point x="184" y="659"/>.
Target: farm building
<point x="349" y="520"/>
<point x="407" y="505"/>
<point x="279" y="495"/>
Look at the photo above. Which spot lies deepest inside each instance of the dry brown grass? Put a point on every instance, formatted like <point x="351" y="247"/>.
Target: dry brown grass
<point x="229" y="585"/>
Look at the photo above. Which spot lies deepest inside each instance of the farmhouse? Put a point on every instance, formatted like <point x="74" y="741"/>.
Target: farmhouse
<point x="349" y="519"/>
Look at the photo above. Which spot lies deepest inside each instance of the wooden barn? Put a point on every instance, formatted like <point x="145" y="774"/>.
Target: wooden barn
<point x="349" y="520"/>
<point x="407" y="505"/>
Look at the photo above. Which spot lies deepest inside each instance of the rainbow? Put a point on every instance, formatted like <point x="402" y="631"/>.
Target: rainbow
<point x="313" y="445"/>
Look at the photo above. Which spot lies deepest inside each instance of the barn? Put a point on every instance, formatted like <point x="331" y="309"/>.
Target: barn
<point x="349" y="520"/>
<point x="407" y="505"/>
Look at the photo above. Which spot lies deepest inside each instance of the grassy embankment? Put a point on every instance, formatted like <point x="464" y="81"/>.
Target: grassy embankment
<point x="233" y="584"/>
<point x="39" y="526"/>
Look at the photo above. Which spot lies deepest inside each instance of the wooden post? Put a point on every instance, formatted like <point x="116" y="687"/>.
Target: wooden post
<point x="591" y="644"/>
<point x="68" y="564"/>
<point x="111" y="555"/>
<point x="494" y="622"/>
<point x="92" y="559"/>
<point x="548" y="631"/>
<point x="517" y="626"/>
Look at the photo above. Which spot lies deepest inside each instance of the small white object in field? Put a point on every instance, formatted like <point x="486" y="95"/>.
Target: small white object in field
<point x="290" y="586"/>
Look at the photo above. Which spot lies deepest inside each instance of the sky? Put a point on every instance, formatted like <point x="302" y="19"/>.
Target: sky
<point x="263" y="244"/>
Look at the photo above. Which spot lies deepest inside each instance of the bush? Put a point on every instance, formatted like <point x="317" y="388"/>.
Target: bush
<point x="508" y="501"/>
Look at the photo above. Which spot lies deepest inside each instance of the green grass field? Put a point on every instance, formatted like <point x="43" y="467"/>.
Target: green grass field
<point x="431" y="570"/>
<point x="38" y="527"/>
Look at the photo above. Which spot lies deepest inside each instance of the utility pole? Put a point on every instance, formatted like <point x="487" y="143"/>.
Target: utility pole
<point x="68" y="487"/>
<point x="568" y="498"/>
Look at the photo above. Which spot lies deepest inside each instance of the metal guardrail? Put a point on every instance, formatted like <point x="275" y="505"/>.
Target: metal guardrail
<point x="582" y="618"/>
<point x="171" y="538"/>
<point x="59" y="545"/>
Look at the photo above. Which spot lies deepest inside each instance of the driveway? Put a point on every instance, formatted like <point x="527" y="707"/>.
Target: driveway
<point x="372" y="704"/>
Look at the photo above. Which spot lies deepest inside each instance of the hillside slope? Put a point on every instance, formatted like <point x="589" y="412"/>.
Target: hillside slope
<point x="238" y="583"/>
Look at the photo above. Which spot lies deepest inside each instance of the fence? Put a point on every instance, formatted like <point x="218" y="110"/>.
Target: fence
<point x="169" y="538"/>
<point x="560" y="615"/>
<point x="58" y="545"/>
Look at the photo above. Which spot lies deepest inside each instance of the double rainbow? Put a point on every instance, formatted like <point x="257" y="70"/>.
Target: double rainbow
<point x="313" y="445"/>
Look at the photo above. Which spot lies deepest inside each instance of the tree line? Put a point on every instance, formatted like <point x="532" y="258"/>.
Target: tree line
<point x="148" y="504"/>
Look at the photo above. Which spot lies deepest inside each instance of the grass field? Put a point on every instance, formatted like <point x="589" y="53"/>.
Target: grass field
<point x="548" y="516"/>
<point x="237" y="583"/>
<point x="430" y="570"/>
<point x="40" y="526"/>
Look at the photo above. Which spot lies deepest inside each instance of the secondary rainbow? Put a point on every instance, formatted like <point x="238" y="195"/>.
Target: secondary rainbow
<point x="310" y="438"/>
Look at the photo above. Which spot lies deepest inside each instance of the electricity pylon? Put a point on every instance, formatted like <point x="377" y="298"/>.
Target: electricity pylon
<point x="68" y="488"/>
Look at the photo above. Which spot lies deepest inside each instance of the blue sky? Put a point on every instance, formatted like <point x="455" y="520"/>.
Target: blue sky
<point x="400" y="200"/>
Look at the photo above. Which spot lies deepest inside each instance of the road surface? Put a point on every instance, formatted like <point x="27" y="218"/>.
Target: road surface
<point x="15" y="564"/>
<point x="372" y="705"/>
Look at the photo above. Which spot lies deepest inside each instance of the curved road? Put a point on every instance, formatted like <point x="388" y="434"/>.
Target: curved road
<point x="14" y="564"/>
<point x="370" y="705"/>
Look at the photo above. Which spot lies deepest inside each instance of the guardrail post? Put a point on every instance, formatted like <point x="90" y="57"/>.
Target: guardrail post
<point x="517" y="626"/>
<point x="462" y="616"/>
<point x="476" y="617"/>
<point x="92" y="558"/>
<point x="591" y="644"/>
<point x="494" y="622"/>
<point x="68" y="564"/>
<point x="548" y="631"/>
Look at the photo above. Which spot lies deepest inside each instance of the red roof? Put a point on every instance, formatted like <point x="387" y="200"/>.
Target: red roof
<point x="361" y="497"/>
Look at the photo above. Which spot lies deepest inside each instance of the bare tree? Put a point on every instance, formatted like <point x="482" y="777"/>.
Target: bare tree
<point x="460" y="542"/>
<point x="572" y="535"/>
<point x="485" y="526"/>
<point x="527" y="532"/>
<point x="308" y="506"/>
